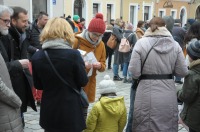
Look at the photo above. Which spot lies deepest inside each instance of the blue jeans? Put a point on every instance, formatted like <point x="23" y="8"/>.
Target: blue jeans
<point x="115" y="69"/>
<point x="130" y="114"/>
<point x="125" y="69"/>
<point x="177" y="78"/>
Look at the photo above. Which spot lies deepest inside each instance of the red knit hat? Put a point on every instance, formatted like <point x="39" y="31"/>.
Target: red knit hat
<point x="97" y="24"/>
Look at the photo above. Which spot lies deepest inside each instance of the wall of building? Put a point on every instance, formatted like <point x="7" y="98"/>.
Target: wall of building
<point x="58" y="8"/>
<point x="22" y="3"/>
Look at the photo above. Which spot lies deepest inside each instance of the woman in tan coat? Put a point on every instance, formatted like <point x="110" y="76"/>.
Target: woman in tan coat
<point x="140" y="29"/>
<point x="90" y="40"/>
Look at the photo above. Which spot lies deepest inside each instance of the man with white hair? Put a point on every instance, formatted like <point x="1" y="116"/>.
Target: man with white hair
<point x="10" y="103"/>
<point x="15" y="56"/>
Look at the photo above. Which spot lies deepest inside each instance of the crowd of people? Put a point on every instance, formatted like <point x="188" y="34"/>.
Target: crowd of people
<point x="51" y="62"/>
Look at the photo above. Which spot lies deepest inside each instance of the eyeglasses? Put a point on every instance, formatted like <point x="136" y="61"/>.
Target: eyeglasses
<point x="96" y="35"/>
<point x="6" y="21"/>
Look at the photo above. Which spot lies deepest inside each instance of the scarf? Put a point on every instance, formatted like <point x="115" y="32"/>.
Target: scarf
<point x="56" y="44"/>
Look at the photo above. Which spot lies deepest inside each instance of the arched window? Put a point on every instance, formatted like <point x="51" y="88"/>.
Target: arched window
<point x="197" y="15"/>
<point x="78" y="4"/>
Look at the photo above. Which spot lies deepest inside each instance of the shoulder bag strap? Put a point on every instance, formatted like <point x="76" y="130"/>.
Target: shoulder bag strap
<point x="56" y="72"/>
<point x="147" y="56"/>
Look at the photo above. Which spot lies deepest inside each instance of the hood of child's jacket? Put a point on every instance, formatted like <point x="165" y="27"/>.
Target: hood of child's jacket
<point x="114" y="105"/>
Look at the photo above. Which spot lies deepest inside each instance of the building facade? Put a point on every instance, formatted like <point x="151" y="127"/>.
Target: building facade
<point x="129" y="10"/>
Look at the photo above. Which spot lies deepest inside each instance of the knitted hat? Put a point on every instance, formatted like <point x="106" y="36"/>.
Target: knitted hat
<point x="193" y="49"/>
<point x="76" y="17"/>
<point x="107" y="85"/>
<point x="97" y="24"/>
<point x="129" y="26"/>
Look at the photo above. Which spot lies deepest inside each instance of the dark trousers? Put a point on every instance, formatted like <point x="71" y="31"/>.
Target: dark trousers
<point x="131" y="109"/>
<point x="190" y="130"/>
<point x="109" y="53"/>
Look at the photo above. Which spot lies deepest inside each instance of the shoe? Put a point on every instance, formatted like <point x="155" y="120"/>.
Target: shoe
<point x="109" y="67"/>
<point x="125" y="80"/>
<point x="179" y="82"/>
<point x="117" y="78"/>
<point x="38" y="103"/>
<point x="129" y="80"/>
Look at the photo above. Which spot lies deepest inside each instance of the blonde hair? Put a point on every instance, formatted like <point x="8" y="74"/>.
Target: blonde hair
<point x="57" y="28"/>
<point x="118" y="22"/>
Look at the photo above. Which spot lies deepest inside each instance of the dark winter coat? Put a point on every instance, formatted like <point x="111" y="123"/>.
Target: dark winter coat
<point x="117" y="31"/>
<point x="178" y="34"/>
<point x="33" y="34"/>
<point x="20" y="78"/>
<point x="105" y="38"/>
<point x="61" y="109"/>
<point x="190" y="95"/>
<point x="132" y="40"/>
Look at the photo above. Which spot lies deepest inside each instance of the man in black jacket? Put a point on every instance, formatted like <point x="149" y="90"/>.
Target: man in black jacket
<point x="33" y="36"/>
<point x="34" y="31"/>
<point x="15" y="45"/>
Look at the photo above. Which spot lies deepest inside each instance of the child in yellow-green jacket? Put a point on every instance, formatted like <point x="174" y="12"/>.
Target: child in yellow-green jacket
<point x="109" y="113"/>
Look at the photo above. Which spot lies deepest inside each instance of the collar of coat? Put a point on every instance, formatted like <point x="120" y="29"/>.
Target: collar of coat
<point x="84" y="36"/>
<point x="56" y="44"/>
<point x="161" y="31"/>
<point x="194" y="63"/>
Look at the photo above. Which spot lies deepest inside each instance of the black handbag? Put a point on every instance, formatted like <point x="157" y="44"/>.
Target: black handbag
<point x="82" y="94"/>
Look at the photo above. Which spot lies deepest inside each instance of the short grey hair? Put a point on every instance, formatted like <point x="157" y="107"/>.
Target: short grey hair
<point x="4" y="8"/>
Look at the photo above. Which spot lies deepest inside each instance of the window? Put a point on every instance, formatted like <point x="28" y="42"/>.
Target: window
<point x="173" y="13"/>
<point x="161" y="13"/>
<point x="146" y="13"/>
<point x="95" y="9"/>
<point x="108" y="13"/>
<point x="38" y="6"/>
<point x="78" y="4"/>
<point x="132" y="13"/>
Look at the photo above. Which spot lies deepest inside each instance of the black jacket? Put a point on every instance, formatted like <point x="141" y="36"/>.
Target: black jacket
<point x="12" y="52"/>
<point x="61" y="109"/>
<point x="33" y="33"/>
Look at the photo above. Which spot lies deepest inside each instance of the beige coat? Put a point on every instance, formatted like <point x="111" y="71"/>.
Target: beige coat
<point x="100" y="54"/>
<point x="10" y="115"/>
<point x="155" y="107"/>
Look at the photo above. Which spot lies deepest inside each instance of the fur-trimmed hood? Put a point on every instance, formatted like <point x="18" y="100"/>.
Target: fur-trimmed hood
<point x="163" y="38"/>
<point x="161" y="31"/>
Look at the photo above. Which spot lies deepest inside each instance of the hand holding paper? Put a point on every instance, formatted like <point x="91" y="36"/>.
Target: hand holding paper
<point x="97" y="65"/>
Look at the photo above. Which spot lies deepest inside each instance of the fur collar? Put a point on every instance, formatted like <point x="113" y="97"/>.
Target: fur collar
<point x="56" y="44"/>
<point x="194" y="63"/>
<point x="161" y="31"/>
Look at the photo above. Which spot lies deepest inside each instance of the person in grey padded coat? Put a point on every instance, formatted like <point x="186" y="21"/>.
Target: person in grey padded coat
<point x="155" y="106"/>
<point x="10" y="115"/>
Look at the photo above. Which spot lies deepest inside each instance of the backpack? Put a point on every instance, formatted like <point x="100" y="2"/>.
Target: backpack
<point x="124" y="45"/>
<point x="112" y="41"/>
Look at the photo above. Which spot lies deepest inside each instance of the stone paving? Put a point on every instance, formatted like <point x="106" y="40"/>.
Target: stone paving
<point x="123" y="89"/>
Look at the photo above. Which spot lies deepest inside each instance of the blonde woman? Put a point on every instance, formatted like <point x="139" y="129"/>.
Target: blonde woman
<point x="60" y="106"/>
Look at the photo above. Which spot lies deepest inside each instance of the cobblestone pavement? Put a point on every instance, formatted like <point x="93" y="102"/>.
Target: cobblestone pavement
<point x="123" y="89"/>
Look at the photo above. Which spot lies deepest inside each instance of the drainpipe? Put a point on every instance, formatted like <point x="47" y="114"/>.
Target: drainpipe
<point x="121" y="9"/>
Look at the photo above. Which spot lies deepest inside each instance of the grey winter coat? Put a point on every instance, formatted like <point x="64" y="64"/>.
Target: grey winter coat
<point x="118" y="58"/>
<point x="155" y="107"/>
<point x="190" y="95"/>
<point x="10" y="115"/>
<point x="132" y="40"/>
